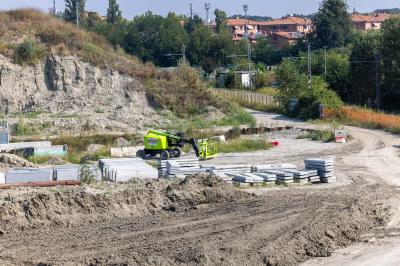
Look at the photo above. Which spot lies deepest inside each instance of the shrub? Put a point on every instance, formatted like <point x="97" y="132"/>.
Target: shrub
<point x="86" y="175"/>
<point x="28" y="53"/>
<point x="293" y="84"/>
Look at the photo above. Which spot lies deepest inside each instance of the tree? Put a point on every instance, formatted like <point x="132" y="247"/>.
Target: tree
<point x="70" y="10"/>
<point x="363" y="69"/>
<point x="266" y="53"/>
<point x="220" y="19"/>
<point x="337" y="66"/>
<point x="143" y="37"/>
<point x="391" y="62"/>
<point x="114" y="14"/>
<point x="294" y="84"/>
<point x="333" y="25"/>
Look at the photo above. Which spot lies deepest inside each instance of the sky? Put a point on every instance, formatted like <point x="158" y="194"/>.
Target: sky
<point x="271" y="8"/>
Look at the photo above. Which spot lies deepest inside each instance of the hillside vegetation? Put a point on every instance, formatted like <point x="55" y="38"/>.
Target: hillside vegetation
<point x="29" y="37"/>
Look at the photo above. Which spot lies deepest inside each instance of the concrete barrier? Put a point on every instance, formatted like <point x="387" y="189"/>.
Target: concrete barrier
<point x="28" y="175"/>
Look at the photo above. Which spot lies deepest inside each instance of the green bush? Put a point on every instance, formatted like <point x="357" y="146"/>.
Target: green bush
<point x="28" y="53"/>
<point x="294" y="84"/>
<point x="86" y="176"/>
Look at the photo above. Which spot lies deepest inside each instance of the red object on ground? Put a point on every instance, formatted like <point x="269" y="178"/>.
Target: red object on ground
<point x="42" y="184"/>
<point x="275" y="143"/>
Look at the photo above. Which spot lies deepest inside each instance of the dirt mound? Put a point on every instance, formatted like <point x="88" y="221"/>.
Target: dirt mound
<point x="10" y="160"/>
<point x="73" y="206"/>
<point x="329" y="231"/>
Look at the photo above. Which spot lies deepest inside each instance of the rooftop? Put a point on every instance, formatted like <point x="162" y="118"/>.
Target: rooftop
<point x="287" y="21"/>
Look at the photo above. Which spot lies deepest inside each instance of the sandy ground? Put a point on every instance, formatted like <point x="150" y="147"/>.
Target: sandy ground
<point x="209" y="223"/>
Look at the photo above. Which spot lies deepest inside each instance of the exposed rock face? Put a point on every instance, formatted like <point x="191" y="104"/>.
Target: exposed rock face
<point x="66" y="85"/>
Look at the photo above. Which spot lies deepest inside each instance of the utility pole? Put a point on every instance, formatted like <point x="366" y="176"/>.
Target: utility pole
<point x="77" y="12"/>
<point x="309" y="66"/>
<point x="207" y="6"/>
<point x="378" y="78"/>
<point x="246" y="35"/>
<point x="191" y="11"/>
<point x="54" y="8"/>
<point x="325" y="62"/>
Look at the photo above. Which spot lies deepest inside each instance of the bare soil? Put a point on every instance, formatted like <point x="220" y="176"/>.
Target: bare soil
<point x="204" y="221"/>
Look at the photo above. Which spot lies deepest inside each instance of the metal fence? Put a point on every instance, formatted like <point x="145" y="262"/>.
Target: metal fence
<point x="249" y="97"/>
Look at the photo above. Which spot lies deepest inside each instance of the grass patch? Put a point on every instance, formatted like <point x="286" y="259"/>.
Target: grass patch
<point x="268" y="91"/>
<point x="38" y="159"/>
<point x="29" y="52"/>
<point x="243" y="145"/>
<point x="319" y="135"/>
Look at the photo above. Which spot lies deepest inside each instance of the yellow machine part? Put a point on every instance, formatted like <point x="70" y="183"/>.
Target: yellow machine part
<point x="207" y="150"/>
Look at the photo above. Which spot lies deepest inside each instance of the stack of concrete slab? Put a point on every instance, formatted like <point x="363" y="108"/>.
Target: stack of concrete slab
<point x="269" y="179"/>
<point x="246" y="179"/>
<point x="124" y="169"/>
<point x="313" y="176"/>
<point x="281" y="176"/>
<point x="299" y="176"/>
<point x="184" y="167"/>
<point x="225" y="171"/>
<point x="28" y="175"/>
<point x="275" y="166"/>
<point x="325" y="169"/>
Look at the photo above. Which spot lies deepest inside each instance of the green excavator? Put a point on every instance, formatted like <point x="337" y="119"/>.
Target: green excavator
<point x="169" y="145"/>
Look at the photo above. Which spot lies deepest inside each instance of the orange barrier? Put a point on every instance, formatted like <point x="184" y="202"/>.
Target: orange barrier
<point x="365" y="116"/>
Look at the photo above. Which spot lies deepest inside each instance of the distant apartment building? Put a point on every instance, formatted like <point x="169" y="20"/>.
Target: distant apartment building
<point x="368" y="22"/>
<point x="282" y="39"/>
<point x="238" y="27"/>
<point x="289" y="24"/>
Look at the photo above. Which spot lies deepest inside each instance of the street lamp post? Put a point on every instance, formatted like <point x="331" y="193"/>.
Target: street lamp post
<point x="246" y="34"/>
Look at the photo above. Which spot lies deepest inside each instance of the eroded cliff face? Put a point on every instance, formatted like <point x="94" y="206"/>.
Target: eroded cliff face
<point x="66" y="85"/>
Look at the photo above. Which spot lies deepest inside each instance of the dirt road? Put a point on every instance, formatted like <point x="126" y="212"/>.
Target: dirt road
<point x="203" y="221"/>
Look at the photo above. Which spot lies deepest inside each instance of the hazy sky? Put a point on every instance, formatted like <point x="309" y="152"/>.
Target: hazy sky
<point x="272" y="8"/>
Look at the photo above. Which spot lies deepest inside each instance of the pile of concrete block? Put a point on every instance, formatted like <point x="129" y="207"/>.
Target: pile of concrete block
<point x="247" y="179"/>
<point x="182" y="168"/>
<point x="225" y="172"/>
<point x="269" y="179"/>
<point x="299" y="176"/>
<point x="274" y="166"/>
<point x="124" y="169"/>
<point x="313" y="176"/>
<point x="325" y="169"/>
<point x="282" y="177"/>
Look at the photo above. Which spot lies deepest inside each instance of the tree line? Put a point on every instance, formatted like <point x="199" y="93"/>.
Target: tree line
<point x="351" y="64"/>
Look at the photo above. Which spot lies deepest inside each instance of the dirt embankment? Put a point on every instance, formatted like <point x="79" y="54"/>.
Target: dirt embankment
<point x="42" y="208"/>
<point x="198" y="221"/>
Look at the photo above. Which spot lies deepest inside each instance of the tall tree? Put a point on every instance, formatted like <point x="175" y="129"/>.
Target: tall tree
<point x="114" y="14"/>
<point x="71" y="10"/>
<point x="333" y="25"/>
<point x="220" y="19"/>
<point x="391" y="62"/>
<point x="363" y="69"/>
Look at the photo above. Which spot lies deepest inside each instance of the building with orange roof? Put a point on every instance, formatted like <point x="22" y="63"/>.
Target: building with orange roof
<point x="282" y="39"/>
<point x="368" y="22"/>
<point x="238" y="28"/>
<point x="289" y="24"/>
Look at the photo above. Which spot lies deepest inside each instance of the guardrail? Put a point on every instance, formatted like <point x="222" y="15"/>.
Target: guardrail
<point x="249" y="97"/>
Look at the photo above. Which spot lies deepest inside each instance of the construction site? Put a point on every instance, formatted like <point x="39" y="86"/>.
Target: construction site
<point x="105" y="160"/>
